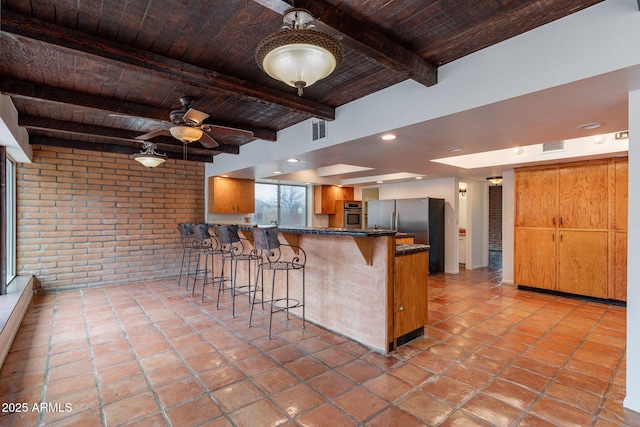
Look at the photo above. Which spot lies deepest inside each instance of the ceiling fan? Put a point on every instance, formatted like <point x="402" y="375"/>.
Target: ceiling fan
<point x="187" y="126"/>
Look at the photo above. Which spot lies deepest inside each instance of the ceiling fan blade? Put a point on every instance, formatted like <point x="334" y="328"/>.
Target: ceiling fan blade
<point x="153" y="134"/>
<point x="230" y="131"/>
<point x="194" y="116"/>
<point x="207" y="141"/>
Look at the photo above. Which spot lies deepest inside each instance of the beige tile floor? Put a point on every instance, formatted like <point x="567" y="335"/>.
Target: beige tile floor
<point x="149" y="353"/>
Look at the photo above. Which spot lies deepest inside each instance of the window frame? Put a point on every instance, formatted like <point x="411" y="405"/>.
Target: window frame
<point x="278" y="197"/>
<point x="10" y="218"/>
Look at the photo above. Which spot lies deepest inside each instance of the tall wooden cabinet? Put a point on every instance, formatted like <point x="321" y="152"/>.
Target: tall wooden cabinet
<point x="231" y="195"/>
<point x="566" y="238"/>
<point x="325" y="197"/>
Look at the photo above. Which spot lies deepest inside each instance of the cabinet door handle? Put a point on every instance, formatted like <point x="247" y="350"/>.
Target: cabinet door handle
<point x="400" y="308"/>
<point x="561" y="238"/>
<point x="553" y="220"/>
<point x="553" y="237"/>
<point x="560" y="220"/>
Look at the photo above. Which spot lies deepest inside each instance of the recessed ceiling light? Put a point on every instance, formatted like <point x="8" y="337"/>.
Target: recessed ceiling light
<point x="388" y="137"/>
<point x="418" y="177"/>
<point x="225" y="176"/>
<point x="379" y="182"/>
<point x="454" y="149"/>
<point x="599" y="139"/>
<point x="589" y="126"/>
<point x="292" y="160"/>
<point x="277" y="172"/>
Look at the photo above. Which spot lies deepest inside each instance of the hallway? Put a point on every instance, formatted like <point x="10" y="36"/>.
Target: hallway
<point x="148" y="353"/>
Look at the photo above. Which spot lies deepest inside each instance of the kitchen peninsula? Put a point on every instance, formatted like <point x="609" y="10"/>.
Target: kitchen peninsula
<point x="359" y="283"/>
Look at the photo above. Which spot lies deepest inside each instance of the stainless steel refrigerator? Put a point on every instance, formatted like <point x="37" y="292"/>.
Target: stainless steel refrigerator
<point x="423" y="217"/>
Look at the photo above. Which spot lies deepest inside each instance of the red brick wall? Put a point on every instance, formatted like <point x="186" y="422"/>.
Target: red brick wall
<point x="87" y="218"/>
<point x="495" y="216"/>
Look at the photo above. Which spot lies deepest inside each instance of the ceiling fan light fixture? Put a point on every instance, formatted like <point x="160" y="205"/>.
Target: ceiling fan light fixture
<point x="298" y="54"/>
<point x="186" y="134"/>
<point x="148" y="157"/>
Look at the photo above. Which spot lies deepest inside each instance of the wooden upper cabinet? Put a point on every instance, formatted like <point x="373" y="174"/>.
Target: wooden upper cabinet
<point x="231" y="195"/>
<point x="583" y="196"/>
<point x="325" y="197"/>
<point x="536" y="198"/>
<point x="621" y="193"/>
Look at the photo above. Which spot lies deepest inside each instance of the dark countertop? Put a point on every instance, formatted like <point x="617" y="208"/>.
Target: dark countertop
<point x="413" y="248"/>
<point x="401" y="235"/>
<point x="328" y="231"/>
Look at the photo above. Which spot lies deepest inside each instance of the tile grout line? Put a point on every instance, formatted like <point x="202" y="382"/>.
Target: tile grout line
<point x="184" y="361"/>
<point x="144" y="373"/>
<point x="45" y="383"/>
<point x="250" y="380"/>
<point x="103" y="415"/>
<point x="611" y="381"/>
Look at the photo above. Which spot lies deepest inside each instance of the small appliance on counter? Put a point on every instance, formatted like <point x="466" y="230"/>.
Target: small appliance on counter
<point x="348" y="215"/>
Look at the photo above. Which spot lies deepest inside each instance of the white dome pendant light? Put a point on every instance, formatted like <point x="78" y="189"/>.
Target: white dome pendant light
<point x="298" y="54"/>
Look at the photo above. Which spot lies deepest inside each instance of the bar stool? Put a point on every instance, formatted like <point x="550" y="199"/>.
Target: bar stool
<point x="185" y="229"/>
<point x="207" y="246"/>
<point x="234" y="250"/>
<point x="267" y="242"/>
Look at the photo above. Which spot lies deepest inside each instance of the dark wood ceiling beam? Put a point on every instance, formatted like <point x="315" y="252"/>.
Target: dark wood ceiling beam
<point x="363" y="39"/>
<point x="26" y="89"/>
<point x="74" y="128"/>
<point x="168" y="68"/>
<point x="112" y="148"/>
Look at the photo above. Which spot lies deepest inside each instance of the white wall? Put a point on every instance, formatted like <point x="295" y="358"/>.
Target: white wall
<point x="632" y="399"/>
<point x="13" y="136"/>
<point x="477" y="224"/>
<point x="508" y="206"/>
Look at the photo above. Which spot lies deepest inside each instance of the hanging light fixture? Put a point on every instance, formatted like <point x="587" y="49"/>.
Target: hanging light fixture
<point x="495" y="180"/>
<point x="298" y="54"/>
<point x="186" y="134"/>
<point x="148" y="157"/>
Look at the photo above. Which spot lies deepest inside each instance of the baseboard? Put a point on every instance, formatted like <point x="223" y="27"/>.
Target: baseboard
<point x="13" y="306"/>
<point x="632" y="404"/>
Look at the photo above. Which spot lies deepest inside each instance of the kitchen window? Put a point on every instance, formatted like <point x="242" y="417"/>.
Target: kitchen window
<point x="285" y="205"/>
<point x="10" y="217"/>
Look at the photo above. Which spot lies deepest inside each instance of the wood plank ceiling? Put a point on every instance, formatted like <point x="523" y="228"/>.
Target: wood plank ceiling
<point x="94" y="74"/>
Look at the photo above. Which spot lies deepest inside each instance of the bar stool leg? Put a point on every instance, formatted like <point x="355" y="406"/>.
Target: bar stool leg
<point x="260" y="274"/>
<point x="273" y="286"/>
<point x="184" y="250"/>
<point x="195" y="274"/>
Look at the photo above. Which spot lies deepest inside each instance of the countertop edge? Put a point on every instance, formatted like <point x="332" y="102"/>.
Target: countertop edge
<point x="322" y="231"/>
<point x="412" y="248"/>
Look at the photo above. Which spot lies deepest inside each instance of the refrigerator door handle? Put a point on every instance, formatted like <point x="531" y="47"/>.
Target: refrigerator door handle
<point x="397" y="220"/>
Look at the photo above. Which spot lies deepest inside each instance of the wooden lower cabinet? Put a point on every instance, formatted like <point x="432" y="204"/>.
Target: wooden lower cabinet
<point x="620" y="266"/>
<point x="535" y="258"/>
<point x="410" y="298"/>
<point x="582" y="263"/>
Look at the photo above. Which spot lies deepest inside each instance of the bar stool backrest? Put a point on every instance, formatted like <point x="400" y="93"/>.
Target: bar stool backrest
<point x="201" y="231"/>
<point x="228" y="234"/>
<point x="185" y="229"/>
<point x="266" y="238"/>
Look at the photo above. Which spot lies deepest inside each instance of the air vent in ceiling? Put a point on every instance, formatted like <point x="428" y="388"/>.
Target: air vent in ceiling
<point x="554" y="146"/>
<point x="318" y="130"/>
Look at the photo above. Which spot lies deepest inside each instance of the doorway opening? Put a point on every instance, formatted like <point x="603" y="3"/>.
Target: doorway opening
<point x="495" y="226"/>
